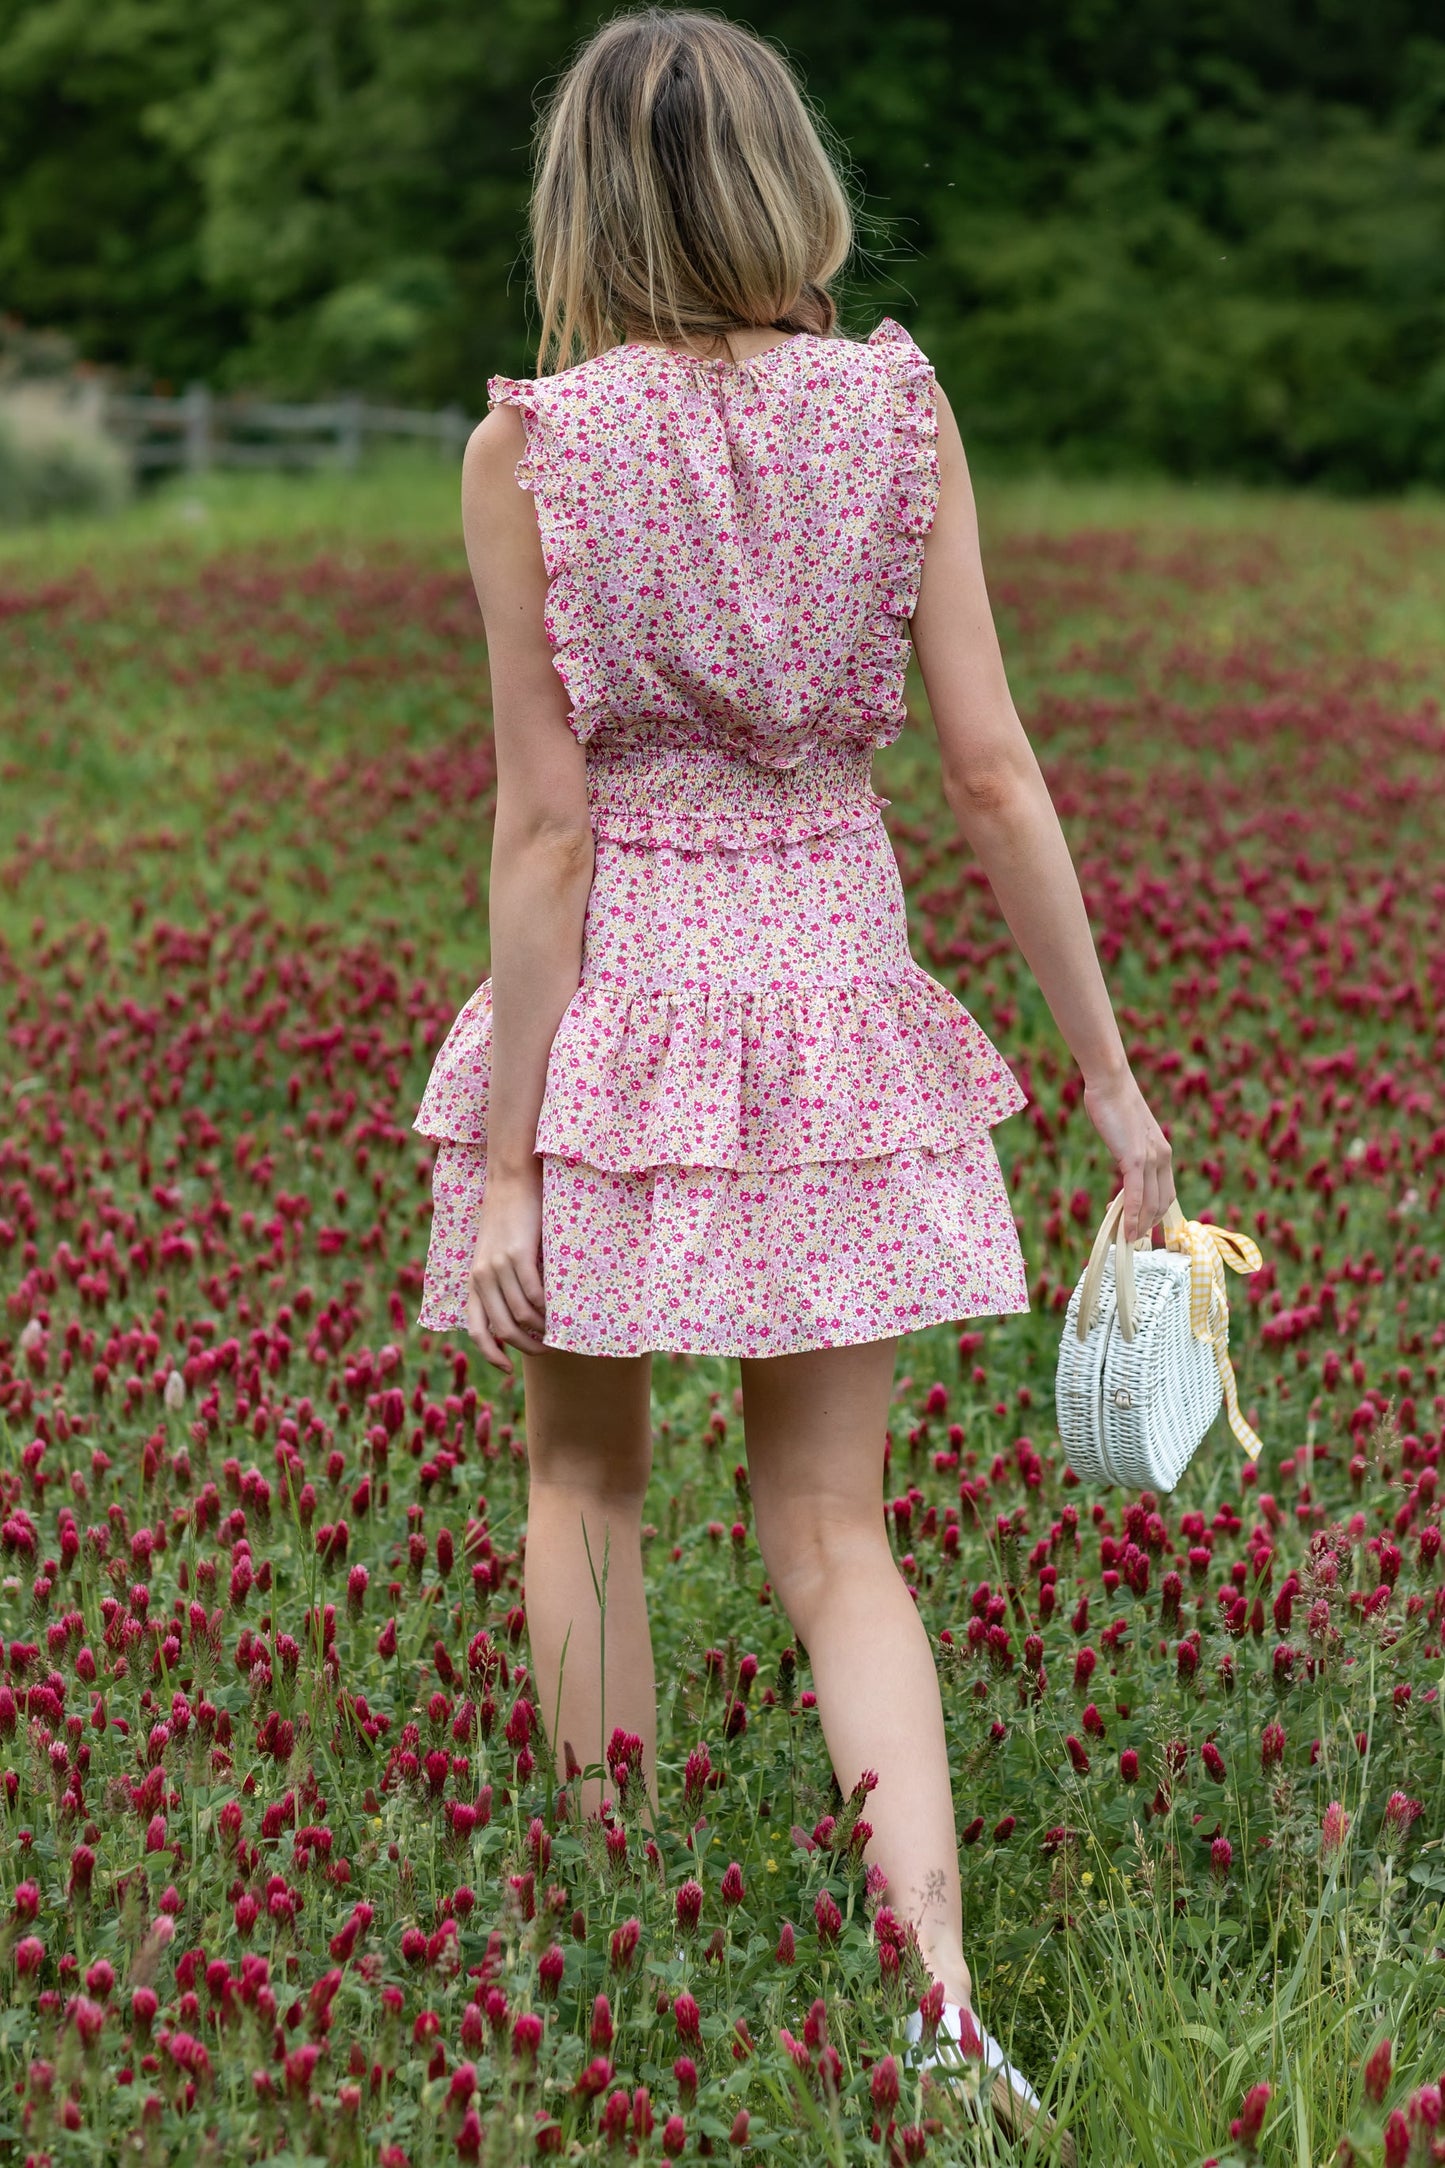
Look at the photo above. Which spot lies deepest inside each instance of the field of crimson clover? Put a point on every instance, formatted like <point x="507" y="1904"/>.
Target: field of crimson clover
<point x="286" y="1871"/>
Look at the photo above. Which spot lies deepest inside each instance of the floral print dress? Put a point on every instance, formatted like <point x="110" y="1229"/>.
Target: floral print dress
<point x="765" y="1127"/>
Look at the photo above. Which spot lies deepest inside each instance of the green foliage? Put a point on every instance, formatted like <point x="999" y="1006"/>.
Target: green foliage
<point x="1298" y="331"/>
<point x="1135" y="238"/>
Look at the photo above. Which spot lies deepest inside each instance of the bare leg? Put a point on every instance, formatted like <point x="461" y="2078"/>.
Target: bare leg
<point x="589" y="1453"/>
<point x="815" y="1425"/>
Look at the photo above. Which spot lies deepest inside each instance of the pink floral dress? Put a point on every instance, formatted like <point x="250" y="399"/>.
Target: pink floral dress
<point x="765" y="1127"/>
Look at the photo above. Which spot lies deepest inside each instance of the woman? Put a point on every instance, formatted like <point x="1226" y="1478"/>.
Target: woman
<point x="707" y="1101"/>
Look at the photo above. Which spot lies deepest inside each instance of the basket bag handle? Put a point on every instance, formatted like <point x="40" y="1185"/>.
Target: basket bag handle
<point x="1112" y="1224"/>
<point x="1209" y="1249"/>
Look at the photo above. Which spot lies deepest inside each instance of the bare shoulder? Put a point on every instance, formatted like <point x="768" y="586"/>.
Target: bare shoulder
<point x="499" y="522"/>
<point x="493" y="449"/>
<point x="498" y="516"/>
<point x="950" y="441"/>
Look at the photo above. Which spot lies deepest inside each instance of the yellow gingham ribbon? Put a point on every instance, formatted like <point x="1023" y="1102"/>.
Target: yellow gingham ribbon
<point x="1209" y="1250"/>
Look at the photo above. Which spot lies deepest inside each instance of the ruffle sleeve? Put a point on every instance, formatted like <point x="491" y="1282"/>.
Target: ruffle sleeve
<point x="913" y="498"/>
<point x="541" y="468"/>
<point x="546" y="469"/>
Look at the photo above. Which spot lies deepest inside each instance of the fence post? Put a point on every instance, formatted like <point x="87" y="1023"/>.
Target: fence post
<point x="348" y="432"/>
<point x="454" y="435"/>
<point x="197" y="408"/>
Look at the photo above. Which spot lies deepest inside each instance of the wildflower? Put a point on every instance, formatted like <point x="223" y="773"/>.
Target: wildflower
<point x="689" y="1906"/>
<point x="687" y="2017"/>
<point x="674" y="2136"/>
<point x="624" y="1944"/>
<point x="594" y="2079"/>
<point x="601" y="2034"/>
<point x="1221" y="1858"/>
<point x="1078" y="1753"/>
<point x="1271" y="1745"/>
<point x="738" y="2135"/>
<point x="462" y="2086"/>
<point x="1129" y="1765"/>
<point x="1333" y="1830"/>
<point x="1424" y="2109"/>
<point x="829" y="1919"/>
<point x="1400" y="1812"/>
<point x="88" y="2018"/>
<point x="1377" y="2072"/>
<point x="785" y="1951"/>
<point x="299" y="2066"/>
<point x="695" y="1778"/>
<point x="883" y="2085"/>
<point x="615" y="2116"/>
<point x="1397" y="2140"/>
<point x="732" y="1885"/>
<point x="526" y="2036"/>
<point x="624" y="1759"/>
<point x="797" y="2049"/>
<point x="684" y="2070"/>
<point x="1213" y="1760"/>
<point x="1246" y="2126"/>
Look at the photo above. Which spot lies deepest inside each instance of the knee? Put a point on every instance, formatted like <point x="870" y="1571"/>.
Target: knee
<point x="589" y="1428"/>
<point x="810" y="1555"/>
<point x="617" y="1490"/>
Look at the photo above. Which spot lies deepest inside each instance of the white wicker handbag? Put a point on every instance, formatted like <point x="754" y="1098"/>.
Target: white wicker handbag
<point x="1144" y="1361"/>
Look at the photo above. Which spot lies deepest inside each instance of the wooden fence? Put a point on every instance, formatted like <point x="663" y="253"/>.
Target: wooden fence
<point x="199" y="430"/>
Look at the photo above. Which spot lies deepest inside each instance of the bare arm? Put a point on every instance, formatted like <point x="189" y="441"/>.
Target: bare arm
<point x="996" y="792"/>
<point x="541" y="875"/>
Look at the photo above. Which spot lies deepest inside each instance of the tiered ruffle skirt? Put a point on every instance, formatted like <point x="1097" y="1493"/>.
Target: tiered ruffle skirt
<point x="765" y="1127"/>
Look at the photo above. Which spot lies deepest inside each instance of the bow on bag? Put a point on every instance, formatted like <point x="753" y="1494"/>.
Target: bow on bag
<point x="1209" y="1250"/>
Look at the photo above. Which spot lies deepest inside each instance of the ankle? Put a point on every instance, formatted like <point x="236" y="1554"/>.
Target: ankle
<point x="956" y="1981"/>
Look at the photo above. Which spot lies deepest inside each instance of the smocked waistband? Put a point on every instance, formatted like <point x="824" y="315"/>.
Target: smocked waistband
<point x="699" y="797"/>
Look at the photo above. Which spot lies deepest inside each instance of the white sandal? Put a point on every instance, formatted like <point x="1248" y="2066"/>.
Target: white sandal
<point x="1010" y="2095"/>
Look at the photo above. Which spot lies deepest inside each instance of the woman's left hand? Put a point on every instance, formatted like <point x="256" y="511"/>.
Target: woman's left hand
<point x="505" y="1296"/>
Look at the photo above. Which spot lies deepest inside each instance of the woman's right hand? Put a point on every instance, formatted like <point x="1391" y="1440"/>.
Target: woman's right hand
<point x="1119" y="1111"/>
<point x="505" y="1298"/>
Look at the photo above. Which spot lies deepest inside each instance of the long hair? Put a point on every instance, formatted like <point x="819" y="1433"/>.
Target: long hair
<point x="682" y="189"/>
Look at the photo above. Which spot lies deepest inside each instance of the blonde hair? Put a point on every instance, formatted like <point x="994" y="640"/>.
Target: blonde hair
<point x="682" y="189"/>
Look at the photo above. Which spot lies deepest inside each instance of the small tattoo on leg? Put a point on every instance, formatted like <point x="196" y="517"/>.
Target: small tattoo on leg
<point x="933" y="1890"/>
